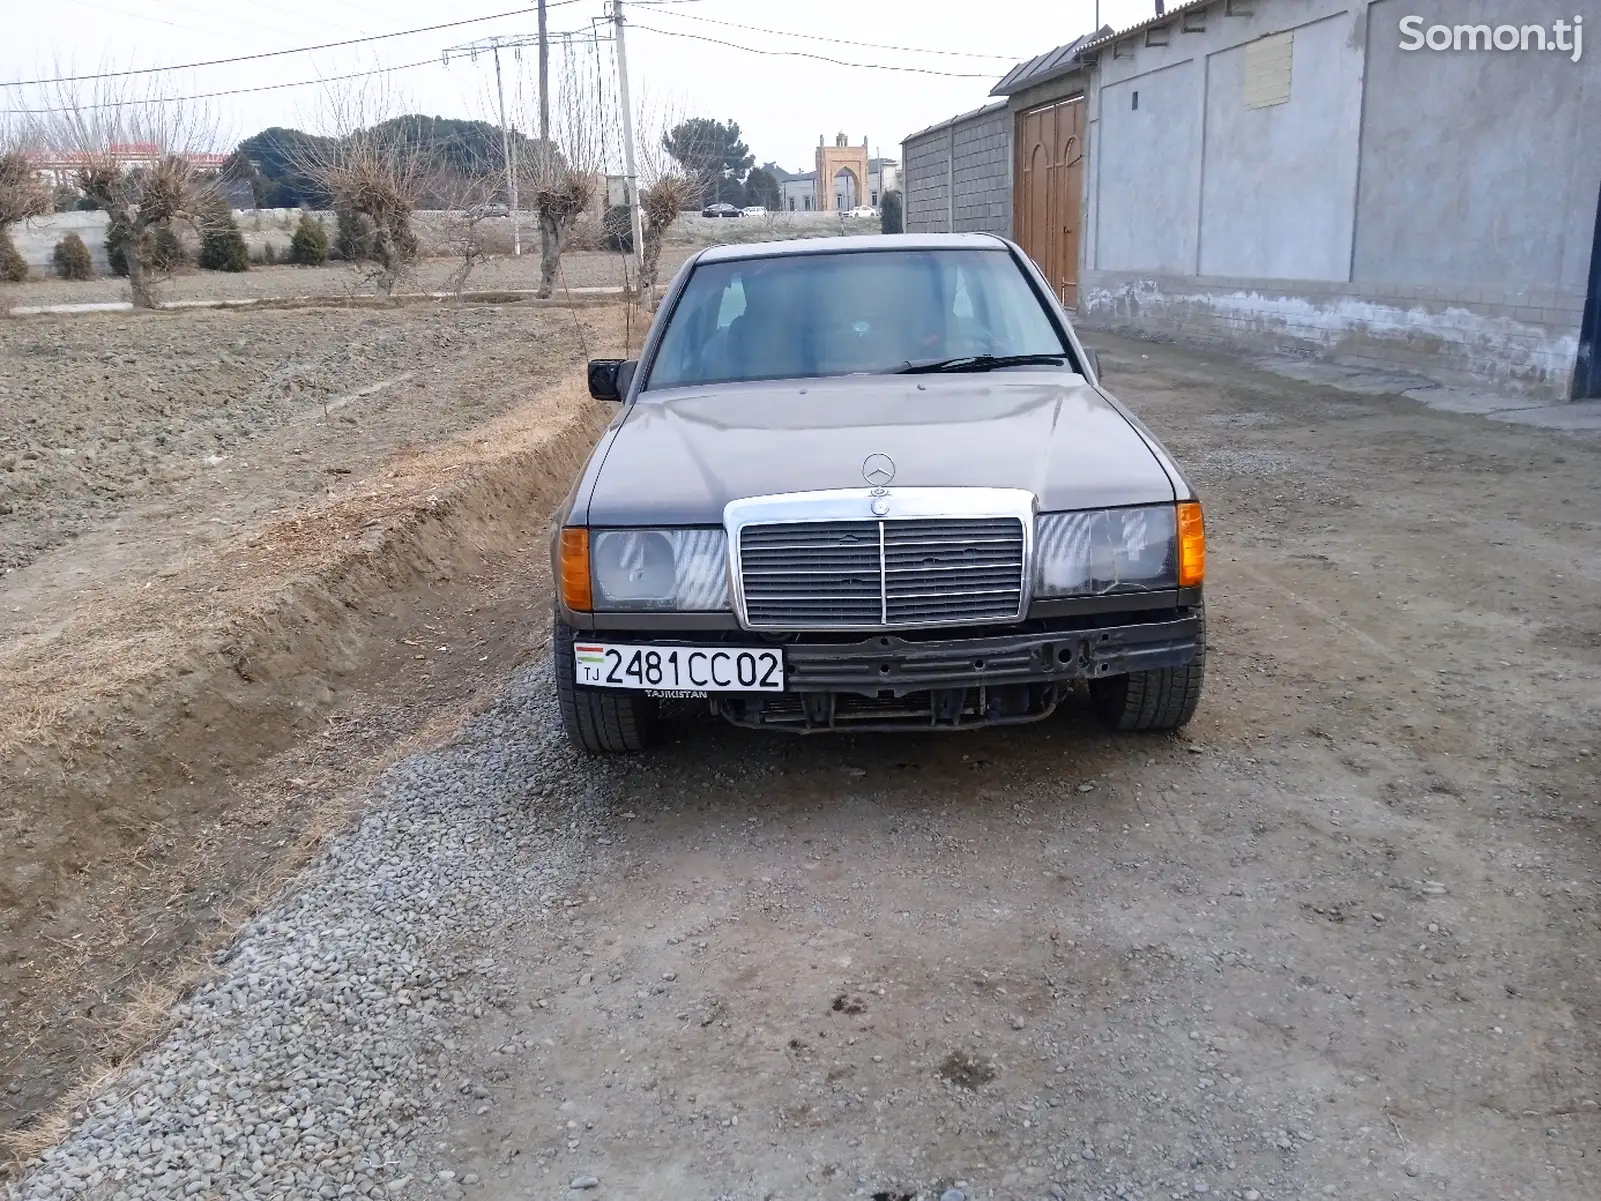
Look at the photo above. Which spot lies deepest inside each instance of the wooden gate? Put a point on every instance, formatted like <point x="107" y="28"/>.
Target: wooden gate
<point x="1048" y="191"/>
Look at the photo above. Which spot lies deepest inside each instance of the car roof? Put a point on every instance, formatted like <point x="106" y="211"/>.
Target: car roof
<point x="798" y="246"/>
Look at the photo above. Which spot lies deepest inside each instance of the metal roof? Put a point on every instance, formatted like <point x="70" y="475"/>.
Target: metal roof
<point x="1068" y="58"/>
<point x="1111" y="35"/>
<point x="1061" y="61"/>
<point x="949" y="121"/>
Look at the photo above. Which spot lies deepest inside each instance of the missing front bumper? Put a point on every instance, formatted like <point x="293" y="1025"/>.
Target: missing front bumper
<point x="887" y="682"/>
<point x="886" y="662"/>
<point x="939" y="709"/>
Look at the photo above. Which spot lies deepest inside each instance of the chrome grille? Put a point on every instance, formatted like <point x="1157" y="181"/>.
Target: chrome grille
<point x="850" y="574"/>
<point x="814" y="573"/>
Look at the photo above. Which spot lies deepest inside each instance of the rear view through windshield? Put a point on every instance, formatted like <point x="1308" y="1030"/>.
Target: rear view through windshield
<point x="803" y="315"/>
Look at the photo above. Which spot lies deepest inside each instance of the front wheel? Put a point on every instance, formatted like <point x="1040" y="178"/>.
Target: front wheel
<point x="599" y="720"/>
<point x="1164" y="699"/>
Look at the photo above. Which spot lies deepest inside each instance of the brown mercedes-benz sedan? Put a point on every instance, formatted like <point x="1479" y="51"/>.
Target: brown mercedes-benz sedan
<point x="871" y="483"/>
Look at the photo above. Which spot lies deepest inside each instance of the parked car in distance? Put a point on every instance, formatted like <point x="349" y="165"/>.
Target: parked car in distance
<point x="871" y="483"/>
<point x="753" y="210"/>
<point x="719" y="210"/>
<point x="862" y="211"/>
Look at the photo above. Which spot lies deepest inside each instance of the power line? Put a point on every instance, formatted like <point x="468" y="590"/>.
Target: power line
<point x="266" y="87"/>
<point x="600" y="102"/>
<point x="822" y="58"/>
<point x="211" y="31"/>
<point x="812" y="37"/>
<point x="245" y="58"/>
<point x="361" y="8"/>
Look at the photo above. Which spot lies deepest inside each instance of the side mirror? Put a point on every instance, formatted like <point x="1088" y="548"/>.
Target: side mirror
<point x="1092" y="360"/>
<point x="603" y="379"/>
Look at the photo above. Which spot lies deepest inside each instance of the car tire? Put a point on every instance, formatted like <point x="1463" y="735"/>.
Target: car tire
<point x="1148" y="701"/>
<point x="602" y="721"/>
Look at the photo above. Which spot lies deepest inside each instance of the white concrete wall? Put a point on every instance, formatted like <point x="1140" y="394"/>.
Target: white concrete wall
<point x="1194" y="182"/>
<point x="1149" y="173"/>
<point x="1426" y="210"/>
<point x="1479" y="169"/>
<point x="1278" y="198"/>
<point x="36" y="239"/>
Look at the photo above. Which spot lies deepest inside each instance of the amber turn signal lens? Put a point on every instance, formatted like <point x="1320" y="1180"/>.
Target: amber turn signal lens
<point x="575" y="592"/>
<point x="1192" y="545"/>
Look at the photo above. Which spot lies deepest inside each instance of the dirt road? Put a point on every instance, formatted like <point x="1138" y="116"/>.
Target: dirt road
<point x="1342" y="941"/>
<point x="1339" y="940"/>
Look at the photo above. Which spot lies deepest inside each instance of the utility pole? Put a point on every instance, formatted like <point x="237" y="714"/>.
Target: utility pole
<point x="631" y="176"/>
<point x="515" y="43"/>
<point x="511" y="167"/>
<point x="544" y="82"/>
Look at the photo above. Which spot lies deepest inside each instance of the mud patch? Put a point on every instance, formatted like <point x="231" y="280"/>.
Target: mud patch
<point x="965" y="1071"/>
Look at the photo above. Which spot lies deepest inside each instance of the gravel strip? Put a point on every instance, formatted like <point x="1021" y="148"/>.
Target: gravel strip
<point x="319" y="1058"/>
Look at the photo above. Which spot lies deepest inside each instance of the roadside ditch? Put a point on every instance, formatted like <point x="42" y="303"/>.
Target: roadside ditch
<point x="164" y="783"/>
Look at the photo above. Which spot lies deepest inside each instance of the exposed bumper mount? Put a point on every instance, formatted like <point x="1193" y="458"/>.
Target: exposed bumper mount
<point x="887" y="682"/>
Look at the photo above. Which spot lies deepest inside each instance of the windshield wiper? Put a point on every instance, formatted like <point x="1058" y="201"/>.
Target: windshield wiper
<point x="982" y="362"/>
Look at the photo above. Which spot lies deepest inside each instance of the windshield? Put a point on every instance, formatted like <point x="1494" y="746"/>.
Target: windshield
<point x="803" y="315"/>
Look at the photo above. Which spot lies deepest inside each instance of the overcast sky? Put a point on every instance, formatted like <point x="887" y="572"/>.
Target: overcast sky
<point x="781" y="103"/>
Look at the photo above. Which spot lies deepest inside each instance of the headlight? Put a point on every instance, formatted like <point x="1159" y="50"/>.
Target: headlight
<point x="659" y="569"/>
<point x="1102" y="551"/>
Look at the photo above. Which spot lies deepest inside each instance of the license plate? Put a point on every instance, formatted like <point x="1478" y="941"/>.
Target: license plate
<point x="679" y="669"/>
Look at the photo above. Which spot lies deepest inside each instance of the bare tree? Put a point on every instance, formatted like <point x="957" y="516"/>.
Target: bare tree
<point x="562" y="176"/>
<point x="674" y="145"/>
<point x="135" y="153"/>
<point x="372" y="165"/>
<point x="560" y="199"/>
<point x="469" y="207"/>
<point x="661" y="204"/>
<point x="22" y="194"/>
<point x="668" y="185"/>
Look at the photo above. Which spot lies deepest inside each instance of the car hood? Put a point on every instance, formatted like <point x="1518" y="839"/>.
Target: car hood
<point x="678" y="457"/>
